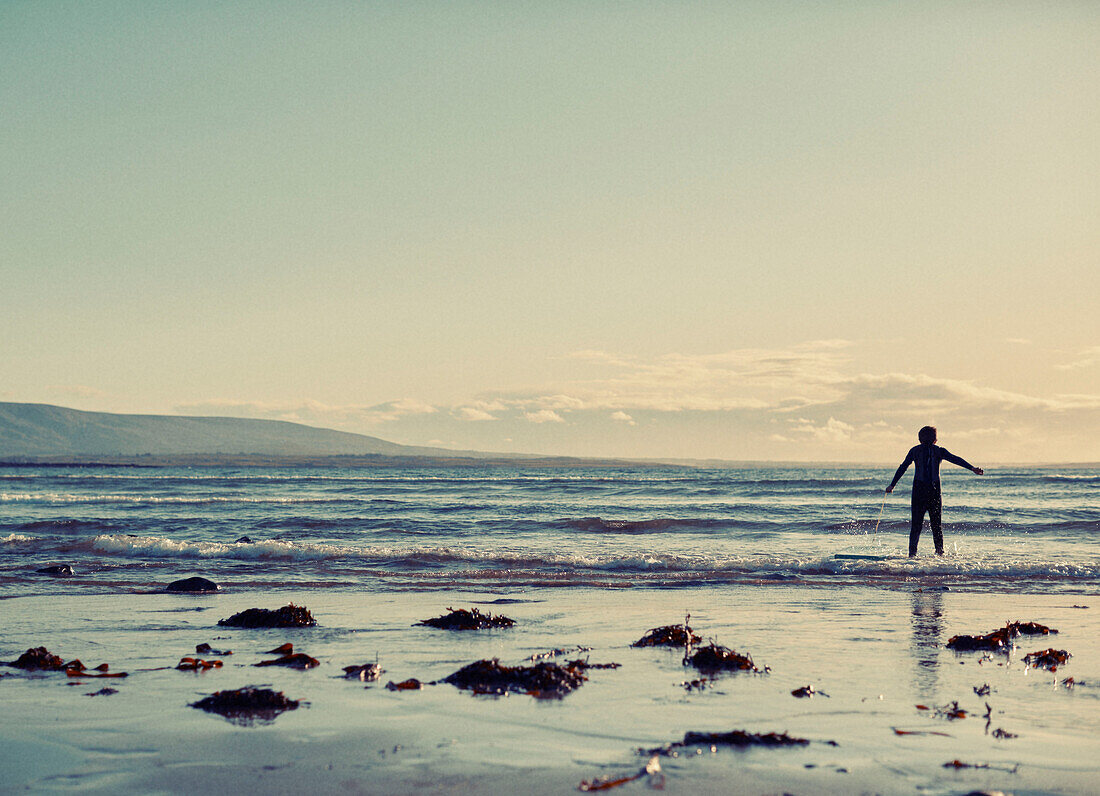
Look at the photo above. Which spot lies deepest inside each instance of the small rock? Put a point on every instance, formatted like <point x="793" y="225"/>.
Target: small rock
<point x="57" y="571"/>
<point x="194" y="585"/>
<point x="244" y="540"/>
<point x="206" y="649"/>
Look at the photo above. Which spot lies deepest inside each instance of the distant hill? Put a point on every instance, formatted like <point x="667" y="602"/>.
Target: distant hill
<point x="41" y="430"/>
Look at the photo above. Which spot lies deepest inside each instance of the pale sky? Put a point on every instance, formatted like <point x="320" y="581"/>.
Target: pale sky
<point x="737" y="230"/>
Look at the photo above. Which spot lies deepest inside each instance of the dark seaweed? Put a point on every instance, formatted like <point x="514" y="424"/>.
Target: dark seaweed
<point x="716" y="658"/>
<point x="1031" y="628"/>
<point x="365" y="673"/>
<point x="38" y="658"/>
<point x="668" y="636"/>
<point x="1047" y="659"/>
<point x="412" y="684"/>
<point x="467" y="620"/>
<point x="297" y="660"/>
<point x="738" y="739"/>
<point x="287" y="616"/>
<point x="543" y="680"/>
<point x="583" y="665"/>
<point x="247" y="705"/>
<point x="997" y="640"/>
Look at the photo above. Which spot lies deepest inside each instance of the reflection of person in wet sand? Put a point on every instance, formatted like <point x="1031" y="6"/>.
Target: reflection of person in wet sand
<point x="927" y="619"/>
<point x="926" y="485"/>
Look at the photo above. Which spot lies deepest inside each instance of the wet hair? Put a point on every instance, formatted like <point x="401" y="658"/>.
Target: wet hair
<point x="927" y="435"/>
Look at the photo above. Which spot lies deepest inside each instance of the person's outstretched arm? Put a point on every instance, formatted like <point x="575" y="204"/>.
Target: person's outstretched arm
<point x="901" y="471"/>
<point x="949" y="456"/>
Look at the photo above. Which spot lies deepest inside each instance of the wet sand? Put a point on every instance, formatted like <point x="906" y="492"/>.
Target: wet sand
<point x="876" y="653"/>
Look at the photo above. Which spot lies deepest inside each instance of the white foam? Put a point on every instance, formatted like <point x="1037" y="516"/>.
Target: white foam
<point x="59" y="497"/>
<point x="160" y="547"/>
<point x="12" y="538"/>
<point x="1009" y="567"/>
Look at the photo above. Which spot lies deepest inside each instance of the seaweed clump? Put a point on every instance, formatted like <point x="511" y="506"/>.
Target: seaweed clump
<point x="1047" y="659"/>
<point x="41" y="659"/>
<point x="197" y="664"/>
<point x="295" y="660"/>
<point x="581" y="665"/>
<point x="739" y="739"/>
<point x="288" y="616"/>
<point x="669" y="636"/>
<point x="364" y="673"/>
<point x="412" y="684"/>
<point x="716" y="658"/>
<point x="544" y="680"/>
<point x="1030" y="629"/>
<point x="651" y="770"/>
<point x="467" y="620"/>
<point x="997" y="640"/>
<point x="951" y="712"/>
<point x="245" y="706"/>
<point x="38" y="658"/>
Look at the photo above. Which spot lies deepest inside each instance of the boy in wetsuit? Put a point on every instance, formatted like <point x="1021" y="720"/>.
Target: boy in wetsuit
<point x="926" y="485"/>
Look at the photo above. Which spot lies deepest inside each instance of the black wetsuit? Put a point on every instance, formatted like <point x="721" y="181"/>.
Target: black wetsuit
<point x="926" y="490"/>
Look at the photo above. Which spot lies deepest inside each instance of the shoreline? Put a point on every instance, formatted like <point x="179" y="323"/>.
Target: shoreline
<point x="517" y="461"/>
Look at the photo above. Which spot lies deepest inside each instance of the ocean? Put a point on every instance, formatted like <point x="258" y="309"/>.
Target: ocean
<point x="1029" y="529"/>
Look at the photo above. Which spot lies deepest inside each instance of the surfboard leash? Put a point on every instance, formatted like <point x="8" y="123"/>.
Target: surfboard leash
<point x="883" y="506"/>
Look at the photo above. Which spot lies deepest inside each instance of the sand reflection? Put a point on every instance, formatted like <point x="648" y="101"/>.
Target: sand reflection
<point x="925" y="643"/>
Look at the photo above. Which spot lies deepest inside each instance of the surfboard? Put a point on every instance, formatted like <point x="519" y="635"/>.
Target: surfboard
<point x="863" y="556"/>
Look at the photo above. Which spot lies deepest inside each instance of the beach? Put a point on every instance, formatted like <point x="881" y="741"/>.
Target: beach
<point x="868" y="635"/>
<point x="876" y="654"/>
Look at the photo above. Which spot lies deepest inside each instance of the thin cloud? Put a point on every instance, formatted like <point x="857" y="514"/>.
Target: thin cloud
<point x="806" y="401"/>
<point x="785" y="381"/>
<point x="732" y="380"/>
<point x="472" y="414"/>
<point x="311" y="412"/>
<point x="832" y="430"/>
<point x="893" y="390"/>
<point x="1088" y="358"/>
<point x="543" y="416"/>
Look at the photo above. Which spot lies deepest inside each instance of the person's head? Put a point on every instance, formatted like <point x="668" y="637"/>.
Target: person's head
<point x="927" y="435"/>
